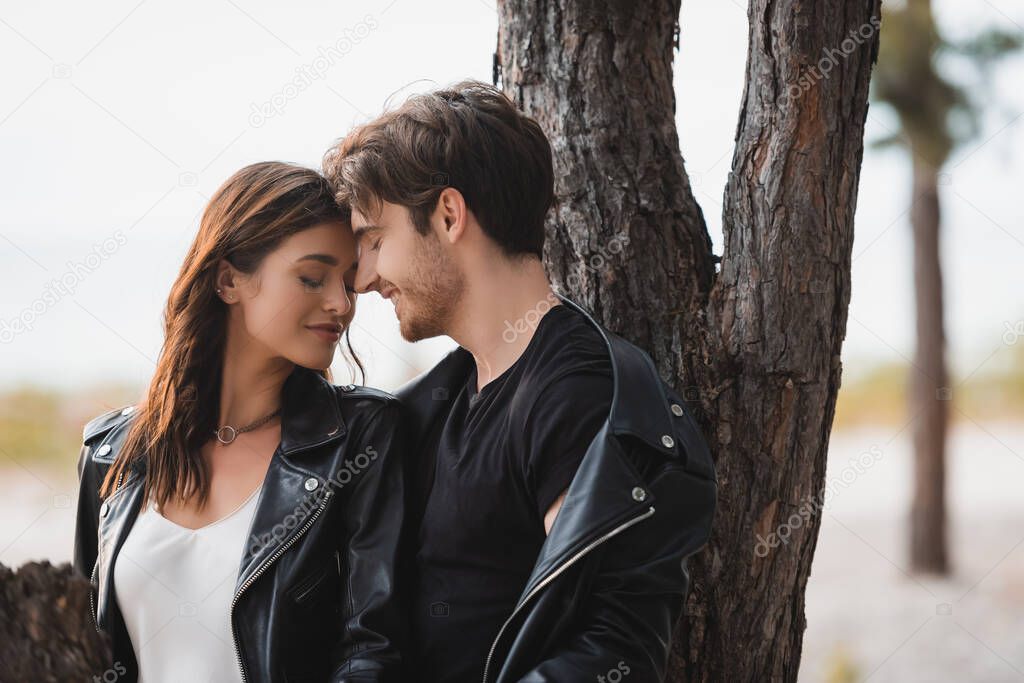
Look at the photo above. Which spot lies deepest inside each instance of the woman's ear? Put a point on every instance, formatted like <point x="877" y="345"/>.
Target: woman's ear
<point x="227" y="282"/>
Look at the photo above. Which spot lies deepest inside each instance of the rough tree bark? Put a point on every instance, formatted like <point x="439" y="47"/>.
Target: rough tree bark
<point x="46" y="629"/>
<point x="928" y="393"/>
<point x="754" y="346"/>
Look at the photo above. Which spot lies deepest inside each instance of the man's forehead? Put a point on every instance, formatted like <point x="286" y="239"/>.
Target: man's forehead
<point x="359" y="219"/>
<point x="368" y="216"/>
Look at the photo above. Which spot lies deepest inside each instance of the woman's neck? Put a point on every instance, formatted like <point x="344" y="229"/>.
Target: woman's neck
<point x="251" y="383"/>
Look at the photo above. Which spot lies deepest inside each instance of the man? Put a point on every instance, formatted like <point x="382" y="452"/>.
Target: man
<point x="561" y="483"/>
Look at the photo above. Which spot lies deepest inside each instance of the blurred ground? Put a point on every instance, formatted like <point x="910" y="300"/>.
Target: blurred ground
<point x="868" y="619"/>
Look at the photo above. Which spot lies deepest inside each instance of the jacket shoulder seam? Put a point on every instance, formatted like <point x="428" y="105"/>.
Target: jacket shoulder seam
<point x="357" y="391"/>
<point x="102" y="424"/>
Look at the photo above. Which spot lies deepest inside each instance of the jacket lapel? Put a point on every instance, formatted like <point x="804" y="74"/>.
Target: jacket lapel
<point x="602" y="496"/>
<point x="117" y="515"/>
<point x="292" y="494"/>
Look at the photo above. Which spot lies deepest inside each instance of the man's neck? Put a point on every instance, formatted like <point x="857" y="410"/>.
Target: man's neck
<point x="501" y="307"/>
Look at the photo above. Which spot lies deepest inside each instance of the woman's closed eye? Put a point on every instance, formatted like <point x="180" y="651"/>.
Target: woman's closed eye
<point x="310" y="283"/>
<point x="315" y="285"/>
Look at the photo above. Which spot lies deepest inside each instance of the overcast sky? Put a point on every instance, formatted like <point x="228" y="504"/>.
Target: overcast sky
<point x="117" y="122"/>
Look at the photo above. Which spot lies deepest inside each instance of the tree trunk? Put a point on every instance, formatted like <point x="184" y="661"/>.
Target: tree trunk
<point x="755" y="347"/>
<point x="929" y="394"/>
<point x="46" y="630"/>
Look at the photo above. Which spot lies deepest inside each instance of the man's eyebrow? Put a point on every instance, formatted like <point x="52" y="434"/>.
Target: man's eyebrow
<point x="322" y="258"/>
<point x="363" y="229"/>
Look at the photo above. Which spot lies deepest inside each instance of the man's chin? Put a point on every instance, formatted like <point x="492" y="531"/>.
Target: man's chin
<point x="410" y="333"/>
<point x="413" y="330"/>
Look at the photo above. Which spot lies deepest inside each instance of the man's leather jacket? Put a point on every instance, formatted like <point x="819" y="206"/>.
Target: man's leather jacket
<point x="315" y="590"/>
<point x="609" y="582"/>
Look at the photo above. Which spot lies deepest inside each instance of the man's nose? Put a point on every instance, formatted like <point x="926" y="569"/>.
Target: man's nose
<point x="366" y="279"/>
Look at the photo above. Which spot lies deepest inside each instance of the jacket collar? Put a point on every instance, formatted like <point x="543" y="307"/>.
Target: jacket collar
<point x="639" y="405"/>
<point x="309" y="413"/>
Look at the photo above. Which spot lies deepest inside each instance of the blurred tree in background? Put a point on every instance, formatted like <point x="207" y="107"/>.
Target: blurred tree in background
<point x="935" y="115"/>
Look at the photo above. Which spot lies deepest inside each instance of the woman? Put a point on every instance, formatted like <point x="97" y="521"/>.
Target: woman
<point x="242" y="523"/>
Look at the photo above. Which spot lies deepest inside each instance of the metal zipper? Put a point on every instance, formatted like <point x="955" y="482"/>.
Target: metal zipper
<point x="554" y="574"/>
<point x="248" y="582"/>
<point x="92" y="600"/>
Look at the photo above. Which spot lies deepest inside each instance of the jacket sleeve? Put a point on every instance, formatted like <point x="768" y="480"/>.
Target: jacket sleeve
<point x="374" y="620"/>
<point x="636" y="591"/>
<point x="87" y="515"/>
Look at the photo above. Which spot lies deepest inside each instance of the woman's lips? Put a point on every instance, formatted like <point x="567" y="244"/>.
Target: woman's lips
<point x="325" y="332"/>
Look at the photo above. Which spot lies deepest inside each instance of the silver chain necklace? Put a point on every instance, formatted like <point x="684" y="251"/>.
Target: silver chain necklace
<point x="227" y="433"/>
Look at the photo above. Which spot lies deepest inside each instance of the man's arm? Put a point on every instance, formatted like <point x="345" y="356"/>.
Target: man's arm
<point x="638" y="580"/>
<point x="549" y="517"/>
<point x="567" y="413"/>
<point x="637" y="592"/>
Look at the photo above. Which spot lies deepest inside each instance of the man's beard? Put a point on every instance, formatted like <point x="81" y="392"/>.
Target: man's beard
<point x="430" y="299"/>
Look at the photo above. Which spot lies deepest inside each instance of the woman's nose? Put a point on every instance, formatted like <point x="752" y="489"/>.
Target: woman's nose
<point x="340" y="300"/>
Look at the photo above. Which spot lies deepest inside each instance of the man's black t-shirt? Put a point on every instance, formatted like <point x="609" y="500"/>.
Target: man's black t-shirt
<point x="504" y="455"/>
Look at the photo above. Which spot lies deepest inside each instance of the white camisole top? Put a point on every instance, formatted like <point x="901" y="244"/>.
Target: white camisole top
<point x="174" y="587"/>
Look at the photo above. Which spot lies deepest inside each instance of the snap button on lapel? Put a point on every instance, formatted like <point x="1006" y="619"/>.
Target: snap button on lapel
<point x="677" y="410"/>
<point x="348" y="387"/>
<point x="128" y="411"/>
<point x="311" y="484"/>
<point x="104" y="449"/>
<point x="104" y="509"/>
<point x="639" y="495"/>
<point x="668" y="441"/>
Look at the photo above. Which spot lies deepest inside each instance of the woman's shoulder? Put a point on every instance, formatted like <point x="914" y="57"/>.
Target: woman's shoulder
<point x="361" y="392"/>
<point x="101" y="442"/>
<point x="362" y="404"/>
<point x="101" y="425"/>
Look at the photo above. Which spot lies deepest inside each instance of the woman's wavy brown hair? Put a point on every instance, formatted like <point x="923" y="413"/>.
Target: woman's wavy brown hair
<point x="248" y="217"/>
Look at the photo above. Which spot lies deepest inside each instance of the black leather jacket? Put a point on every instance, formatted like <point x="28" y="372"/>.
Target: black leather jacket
<point x="609" y="583"/>
<point x="315" y="594"/>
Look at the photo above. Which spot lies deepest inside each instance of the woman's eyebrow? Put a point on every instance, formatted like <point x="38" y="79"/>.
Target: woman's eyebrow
<point x="323" y="258"/>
